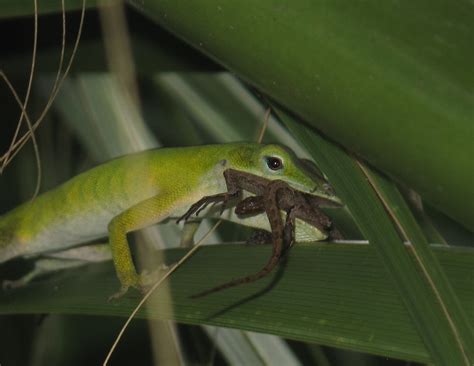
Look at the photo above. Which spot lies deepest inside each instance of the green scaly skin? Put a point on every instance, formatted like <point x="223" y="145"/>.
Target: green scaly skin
<point x="135" y="191"/>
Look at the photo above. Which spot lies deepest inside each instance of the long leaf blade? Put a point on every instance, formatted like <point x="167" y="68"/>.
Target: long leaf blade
<point x="330" y="294"/>
<point x="375" y="224"/>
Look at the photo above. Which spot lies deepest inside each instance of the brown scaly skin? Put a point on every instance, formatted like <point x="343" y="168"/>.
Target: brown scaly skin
<point x="299" y="205"/>
<point x="277" y="227"/>
<point x="271" y="197"/>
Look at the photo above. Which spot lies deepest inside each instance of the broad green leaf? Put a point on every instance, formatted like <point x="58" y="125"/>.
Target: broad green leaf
<point x="448" y="343"/>
<point x="330" y="294"/>
<point x="425" y="259"/>
<point x="399" y="75"/>
<point x="390" y="81"/>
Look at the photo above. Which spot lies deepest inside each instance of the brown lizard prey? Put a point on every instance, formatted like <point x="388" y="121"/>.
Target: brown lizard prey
<point x="272" y="196"/>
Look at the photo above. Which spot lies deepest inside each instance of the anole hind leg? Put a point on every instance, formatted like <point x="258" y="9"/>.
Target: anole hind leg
<point x="66" y="259"/>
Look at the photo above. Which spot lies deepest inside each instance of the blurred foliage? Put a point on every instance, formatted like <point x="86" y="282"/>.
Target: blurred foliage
<point x="358" y="73"/>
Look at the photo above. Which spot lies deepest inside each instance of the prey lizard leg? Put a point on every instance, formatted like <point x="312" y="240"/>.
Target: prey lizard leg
<point x="278" y="196"/>
<point x="289" y="230"/>
<point x="236" y="181"/>
<point x="252" y="205"/>
<point x="277" y="226"/>
<point x="200" y="205"/>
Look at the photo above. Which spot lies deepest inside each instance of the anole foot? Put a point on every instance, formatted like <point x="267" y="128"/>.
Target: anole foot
<point x="123" y="290"/>
<point x="9" y="284"/>
<point x="20" y="282"/>
<point x="145" y="281"/>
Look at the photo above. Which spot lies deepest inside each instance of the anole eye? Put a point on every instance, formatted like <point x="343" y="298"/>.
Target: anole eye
<point x="274" y="163"/>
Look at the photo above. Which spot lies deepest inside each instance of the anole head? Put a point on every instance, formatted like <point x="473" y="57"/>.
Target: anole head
<point x="278" y="162"/>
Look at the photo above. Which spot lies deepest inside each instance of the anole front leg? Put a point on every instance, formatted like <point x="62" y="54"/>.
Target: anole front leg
<point x="143" y="214"/>
<point x="156" y="209"/>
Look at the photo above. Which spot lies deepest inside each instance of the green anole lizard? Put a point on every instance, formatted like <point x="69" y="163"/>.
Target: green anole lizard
<point x="135" y="191"/>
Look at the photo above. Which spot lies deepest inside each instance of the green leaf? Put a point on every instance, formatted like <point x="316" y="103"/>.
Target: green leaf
<point x="427" y="303"/>
<point x="390" y="81"/>
<point x="398" y="74"/>
<point x="330" y="294"/>
<point x="425" y="259"/>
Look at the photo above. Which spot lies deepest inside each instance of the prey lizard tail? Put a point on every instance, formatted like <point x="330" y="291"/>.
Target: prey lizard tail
<point x="276" y="223"/>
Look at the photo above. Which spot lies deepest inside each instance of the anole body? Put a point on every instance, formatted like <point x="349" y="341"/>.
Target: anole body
<point x="135" y="191"/>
